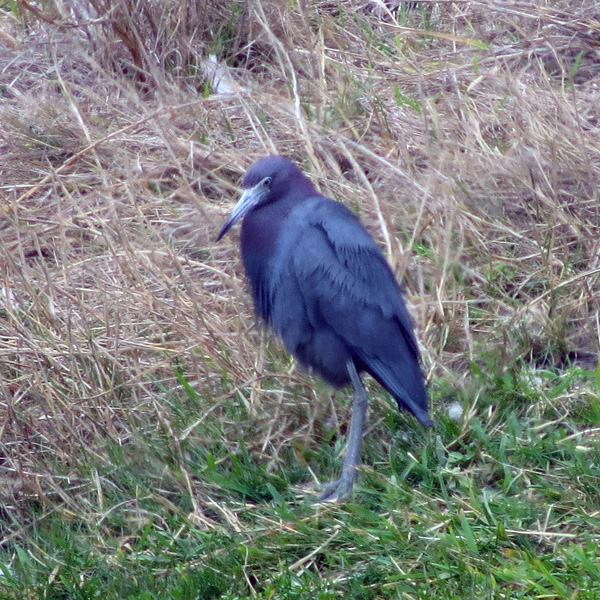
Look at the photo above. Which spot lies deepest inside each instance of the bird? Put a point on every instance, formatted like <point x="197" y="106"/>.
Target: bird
<point x="320" y="282"/>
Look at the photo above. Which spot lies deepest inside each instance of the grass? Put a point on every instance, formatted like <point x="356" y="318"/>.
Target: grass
<point x="505" y="507"/>
<point x="155" y="443"/>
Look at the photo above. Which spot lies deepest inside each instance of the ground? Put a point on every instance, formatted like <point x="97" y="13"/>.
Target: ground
<point x="155" y="442"/>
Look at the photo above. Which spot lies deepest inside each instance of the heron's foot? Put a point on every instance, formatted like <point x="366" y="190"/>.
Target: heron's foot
<point x="336" y="491"/>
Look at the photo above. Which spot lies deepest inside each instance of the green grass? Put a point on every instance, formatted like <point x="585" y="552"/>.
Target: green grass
<point x="504" y="505"/>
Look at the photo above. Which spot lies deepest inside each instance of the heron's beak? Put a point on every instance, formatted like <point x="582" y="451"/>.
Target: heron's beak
<point x="248" y="200"/>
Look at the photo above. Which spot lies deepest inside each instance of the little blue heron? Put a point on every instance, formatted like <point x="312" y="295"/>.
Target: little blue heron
<point x="321" y="283"/>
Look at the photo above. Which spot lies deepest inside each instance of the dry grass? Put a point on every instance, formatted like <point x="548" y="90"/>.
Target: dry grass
<point x="465" y="134"/>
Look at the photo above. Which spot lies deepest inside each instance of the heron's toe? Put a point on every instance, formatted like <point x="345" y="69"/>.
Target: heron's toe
<point x="335" y="491"/>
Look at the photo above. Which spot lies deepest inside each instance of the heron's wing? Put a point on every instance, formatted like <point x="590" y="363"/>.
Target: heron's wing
<point x="336" y="274"/>
<point x="339" y="266"/>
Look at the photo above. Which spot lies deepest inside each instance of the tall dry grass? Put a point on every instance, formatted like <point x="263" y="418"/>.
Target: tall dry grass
<point x="465" y="134"/>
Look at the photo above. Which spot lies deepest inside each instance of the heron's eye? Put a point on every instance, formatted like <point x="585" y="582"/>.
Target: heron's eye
<point x="267" y="182"/>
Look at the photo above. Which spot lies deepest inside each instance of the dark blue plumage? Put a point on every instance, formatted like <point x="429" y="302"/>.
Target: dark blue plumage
<point x="321" y="283"/>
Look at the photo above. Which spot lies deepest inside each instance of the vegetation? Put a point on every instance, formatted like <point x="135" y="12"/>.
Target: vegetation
<point x="154" y="443"/>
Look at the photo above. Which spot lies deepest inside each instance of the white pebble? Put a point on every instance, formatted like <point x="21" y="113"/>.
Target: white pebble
<point x="455" y="411"/>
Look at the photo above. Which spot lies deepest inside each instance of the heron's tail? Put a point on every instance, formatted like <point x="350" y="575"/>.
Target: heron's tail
<point x="405" y="383"/>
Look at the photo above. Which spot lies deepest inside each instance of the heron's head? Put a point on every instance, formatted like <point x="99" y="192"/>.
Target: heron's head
<point x="267" y="180"/>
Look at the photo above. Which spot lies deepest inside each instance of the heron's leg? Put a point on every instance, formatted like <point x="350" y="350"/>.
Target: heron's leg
<point x="343" y="486"/>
